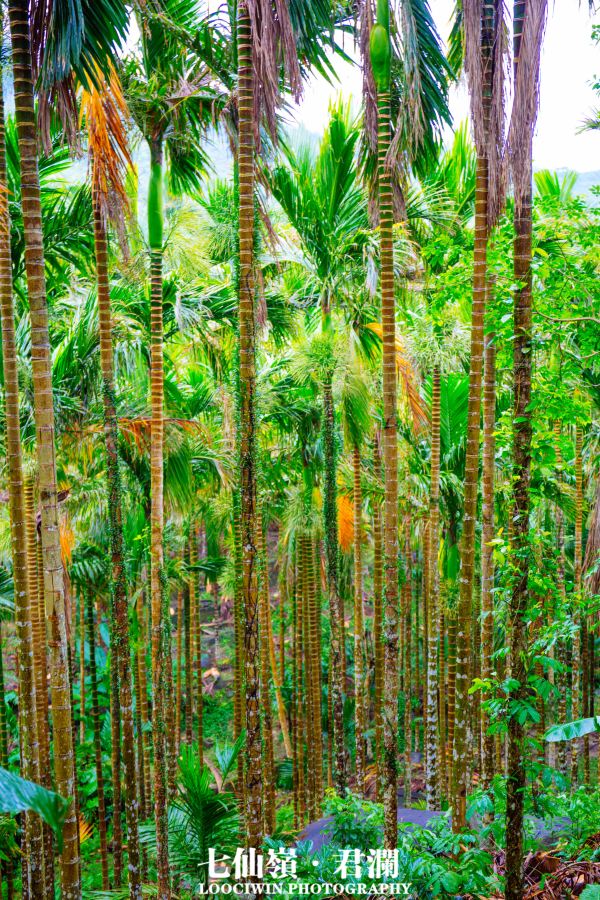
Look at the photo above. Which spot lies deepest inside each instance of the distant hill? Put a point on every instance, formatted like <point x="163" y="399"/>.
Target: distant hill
<point x="586" y="181"/>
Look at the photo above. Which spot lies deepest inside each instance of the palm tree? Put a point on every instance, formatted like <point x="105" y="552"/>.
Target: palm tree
<point x="44" y="415"/>
<point x="414" y="133"/>
<point x="487" y="535"/>
<point x="110" y="160"/>
<point x="380" y="62"/>
<point x="266" y="32"/>
<point x="483" y="24"/>
<point x="528" y="25"/>
<point x="323" y="200"/>
<point x="171" y="118"/>
<point x="28" y="734"/>
<point x="356" y="415"/>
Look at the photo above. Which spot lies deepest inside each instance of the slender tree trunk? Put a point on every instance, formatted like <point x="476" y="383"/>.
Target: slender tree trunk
<point x="64" y="763"/>
<point x="190" y="643"/>
<point x="81" y="670"/>
<point x="28" y="734"/>
<point x="518" y="600"/>
<point x="378" y="626"/>
<point x="390" y="464"/>
<point x="359" y="661"/>
<point x="97" y="728"/>
<point x="467" y="556"/>
<point x="40" y="664"/>
<point x="522" y="434"/>
<point x="311" y="805"/>
<point x="487" y="551"/>
<point x="283" y="597"/>
<point x="265" y="687"/>
<point x="159" y="606"/>
<point x="117" y="582"/>
<point x="442" y="711"/>
<point x="141" y="762"/>
<point x="179" y="663"/>
<point x="247" y="433"/>
<point x="433" y="589"/>
<point x="141" y="668"/>
<point x="561" y="648"/>
<point x="337" y="651"/>
<point x="239" y="700"/>
<point x="580" y="653"/>
<point x="6" y="866"/>
<point x="196" y="612"/>
<point x="277" y="685"/>
<point x="406" y="602"/>
<point x="451" y="690"/>
<point x="299" y="783"/>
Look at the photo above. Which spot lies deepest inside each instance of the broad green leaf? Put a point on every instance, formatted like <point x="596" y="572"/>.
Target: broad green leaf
<point x="591" y="892"/>
<point x="18" y="795"/>
<point x="571" y="730"/>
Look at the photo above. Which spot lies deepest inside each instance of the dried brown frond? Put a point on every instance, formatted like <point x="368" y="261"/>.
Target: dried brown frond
<point x="366" y="17"/>
<point x="345" y="511"/>
<point x="273" y="47"/>
<point x="104" y="111"/>
<point x="408" y="380"/>
<point x="67" y="540"/>
<point x="485" y="66"/>
<point x="526" y="96"/>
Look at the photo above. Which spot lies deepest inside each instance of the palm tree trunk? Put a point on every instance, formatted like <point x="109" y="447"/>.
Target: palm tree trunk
<point x="141" y="670"/>
<point x="432" y="773"/>
<point x="196" y="613"/>
<point x="157" y="575"/>
<point x="518" y="600"/>
<point x="265" y="688"/>
<point x="337" y="651"/>
<point x="115" y="751"/>
<point x="117" y="581"/>
<point x="179" y="664"/>
<point x="6" y="866"/>
<point x="561" y="648"/>
<point x="277" y="685"/>
<point x="239" y="700"/>
<point x="522" y="434"/>
<point x="40" y="666"/>
<point x="311" y="806"/>
<point x="247" y="433"/>
<point x="467" y="556"/>
<point x="28" y="734"/>
<point x="97" y="727"/>
<point x="442" y="711"/>
<point x="141" y="762"/>
<point x="81" y="670"/>
<point x="580" y="638"/>
<point x="359" y="661"/>
<point x="390" y="458"/>
<point x="378" y="626"/>
<point x="406" y="605"/>
<point x="283" y="598"/>
<point x="451" y="691"/>
<point x="64" y="762"/>
<point x="190" y="643"/>
<point x="487" y="554"/>
<point x="299" y="784"/>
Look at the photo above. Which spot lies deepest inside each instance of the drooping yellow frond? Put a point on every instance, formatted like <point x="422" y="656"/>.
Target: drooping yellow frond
<point x="86" y="830"/>
<point x="67" y="541"/>
<point x="345" y="512"/>
<point x="408" y="379"/>
<point x="105" y="114"/>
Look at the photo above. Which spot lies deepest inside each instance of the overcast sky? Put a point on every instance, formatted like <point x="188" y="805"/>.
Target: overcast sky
<point x="569" y="63"/>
